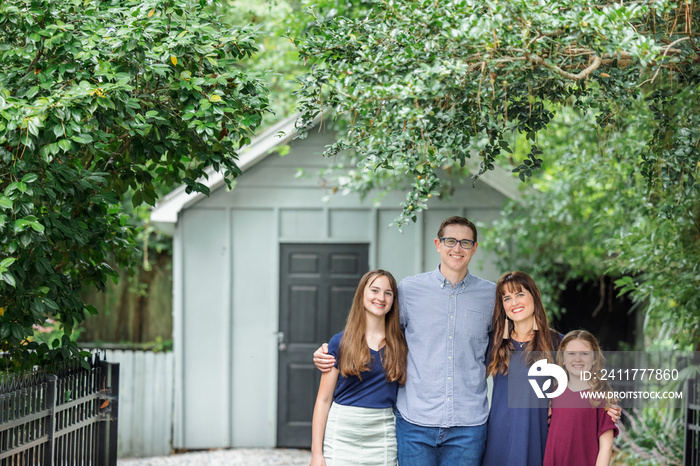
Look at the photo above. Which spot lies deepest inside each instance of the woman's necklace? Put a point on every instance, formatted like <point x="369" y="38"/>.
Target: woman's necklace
<point x="521" y="344"/>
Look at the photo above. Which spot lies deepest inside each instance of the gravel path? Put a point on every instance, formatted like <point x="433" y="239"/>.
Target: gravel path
<point x="238" y="456"/>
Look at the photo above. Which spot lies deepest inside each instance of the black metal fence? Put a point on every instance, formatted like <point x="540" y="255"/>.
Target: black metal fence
<point x="691" y="455"/>
<point x="62" y="417"/>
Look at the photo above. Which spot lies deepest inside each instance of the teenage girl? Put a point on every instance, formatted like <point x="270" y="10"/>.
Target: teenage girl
<point x="581" y="433"/>
<point x="353" y="421"/>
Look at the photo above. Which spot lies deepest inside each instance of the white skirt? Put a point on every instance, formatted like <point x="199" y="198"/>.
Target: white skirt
<point x="360" y="436"/>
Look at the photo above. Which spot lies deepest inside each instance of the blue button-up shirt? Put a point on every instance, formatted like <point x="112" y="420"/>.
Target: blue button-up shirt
<point x="447" y="331"/>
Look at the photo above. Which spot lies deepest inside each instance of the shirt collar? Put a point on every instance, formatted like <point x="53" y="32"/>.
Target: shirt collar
<point x="442" y="282"/>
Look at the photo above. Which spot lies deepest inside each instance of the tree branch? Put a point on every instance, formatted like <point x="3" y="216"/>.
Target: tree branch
<point x="668" y="48"/>
<point x="30" y="68"/>
<point x="537" y="60"/>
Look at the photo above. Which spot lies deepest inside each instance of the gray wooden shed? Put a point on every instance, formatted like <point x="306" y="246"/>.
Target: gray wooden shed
<point x="263" y="273"/>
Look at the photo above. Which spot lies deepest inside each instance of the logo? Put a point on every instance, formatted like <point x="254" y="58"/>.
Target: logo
<point x="543" y="368"/>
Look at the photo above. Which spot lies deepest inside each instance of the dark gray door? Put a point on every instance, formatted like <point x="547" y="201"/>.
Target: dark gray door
<point x="317" y="284"/>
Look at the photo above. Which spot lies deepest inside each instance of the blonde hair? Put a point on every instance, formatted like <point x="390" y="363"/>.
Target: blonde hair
<point x="596" y="384"/>
<point x="354" y="355"/>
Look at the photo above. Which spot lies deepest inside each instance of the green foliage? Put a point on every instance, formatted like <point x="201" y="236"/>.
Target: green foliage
<point x="421" y="83"/>
<point x="650" y="437"/>
<point x="51" y="334"/>
<point x="424" y="86"/>
<point x="277" y="57"/>
<point x="281" y="24"/>
<point x="99" y="99"/>
<point x="596" y="214"/>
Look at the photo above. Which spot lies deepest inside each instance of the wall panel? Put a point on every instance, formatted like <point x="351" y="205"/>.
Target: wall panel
<point x="353" y="225"/>
<point x="254" y="286"/>
<point x="306" y="224"/>
<point x="206" y="346"/>
<point x="396" y="251"/>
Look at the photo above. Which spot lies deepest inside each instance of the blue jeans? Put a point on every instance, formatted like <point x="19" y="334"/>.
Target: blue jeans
<point x="433" y="446"/>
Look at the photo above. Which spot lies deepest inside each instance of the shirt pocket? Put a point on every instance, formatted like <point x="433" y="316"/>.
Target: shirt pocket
<point x="478" y="325"/>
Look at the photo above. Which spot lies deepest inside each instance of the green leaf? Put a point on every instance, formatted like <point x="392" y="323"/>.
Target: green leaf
<point x="64" y="144"/>
<point x="30" y="178"/>
<point x="21" y="224"/>
<point x="8" y="278"/>
<point x="8" y="261"/>
<point x="82" y="139"/>
<point x="51" y="304"/>
<point x="10" y="188"/>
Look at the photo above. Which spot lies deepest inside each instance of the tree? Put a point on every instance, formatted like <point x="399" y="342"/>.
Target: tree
<point x="277" y="58"/>
<point x="594" y="215"/>
<point x="280" y="23"/>
<point x="424" y="86"/>
<point x="99" y="100"/>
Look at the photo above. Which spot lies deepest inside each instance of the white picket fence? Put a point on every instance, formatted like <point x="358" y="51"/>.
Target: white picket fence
<point x="145" y="402"/>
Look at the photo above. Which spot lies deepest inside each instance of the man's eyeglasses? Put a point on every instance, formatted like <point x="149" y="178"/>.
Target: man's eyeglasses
<point x="452" y="242"/>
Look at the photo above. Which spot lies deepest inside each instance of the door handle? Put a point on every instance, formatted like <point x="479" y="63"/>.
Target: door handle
<point x="281" y="345"/>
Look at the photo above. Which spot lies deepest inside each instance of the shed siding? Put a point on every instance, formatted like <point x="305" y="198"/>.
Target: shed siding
<point x="303" y="223"/>
<point x="206" y="325"/>
<point x="396" y="252"/>
<point x="349" y="224"/>
<point x="254" y="350"/>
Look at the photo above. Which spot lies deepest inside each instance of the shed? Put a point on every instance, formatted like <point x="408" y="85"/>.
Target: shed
<point x="265" y="272"/>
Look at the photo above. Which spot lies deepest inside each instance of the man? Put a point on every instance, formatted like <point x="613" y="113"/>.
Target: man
<point x="446" y="315"/>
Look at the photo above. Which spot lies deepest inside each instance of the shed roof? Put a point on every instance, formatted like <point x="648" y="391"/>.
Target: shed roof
<point x="169" y="207"/>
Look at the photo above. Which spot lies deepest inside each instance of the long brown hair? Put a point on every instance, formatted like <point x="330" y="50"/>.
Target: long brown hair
<point x="597" y="383"/>
<point x="540" y="346"/>
<point x="354" y="351"/>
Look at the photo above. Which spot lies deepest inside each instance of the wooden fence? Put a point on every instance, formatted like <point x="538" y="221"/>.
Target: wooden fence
<point x="145" y="402"/>
<point x="64" y="416"/>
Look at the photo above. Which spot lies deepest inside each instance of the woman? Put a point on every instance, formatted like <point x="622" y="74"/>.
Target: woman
<point x="521" y="336"/>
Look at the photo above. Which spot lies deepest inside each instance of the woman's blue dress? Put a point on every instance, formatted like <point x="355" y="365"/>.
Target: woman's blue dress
<point x="517" y="424"/>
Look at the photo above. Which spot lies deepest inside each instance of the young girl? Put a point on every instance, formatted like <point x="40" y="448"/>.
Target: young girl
<point x="581" y="433"/>
<point x="521" y="336"/>
<point x="353" y="421"/>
